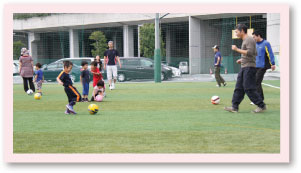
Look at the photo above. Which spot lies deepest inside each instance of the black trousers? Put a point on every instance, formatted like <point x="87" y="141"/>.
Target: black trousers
<point x="219" y="79"/>
<point x="25" y="83"/>
<point x="72" y="94"/>
<point x="259" y="77"/>
<point x="246" y="84"/>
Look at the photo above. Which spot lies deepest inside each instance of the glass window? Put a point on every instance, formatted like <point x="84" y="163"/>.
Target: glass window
<point x="52" y="66"/>
<point x="131" y="62"/>
<point x="146" y="63"/>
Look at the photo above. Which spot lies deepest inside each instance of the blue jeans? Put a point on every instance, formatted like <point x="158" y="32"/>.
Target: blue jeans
<point x="85" y="88"/>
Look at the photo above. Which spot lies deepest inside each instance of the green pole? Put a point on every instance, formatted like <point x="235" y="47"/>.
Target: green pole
<point x="157" y="53"/>
<point x="157" y="66"/>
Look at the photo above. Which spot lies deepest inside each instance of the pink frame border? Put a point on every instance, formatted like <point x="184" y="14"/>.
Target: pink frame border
<point x="283" y="157"/>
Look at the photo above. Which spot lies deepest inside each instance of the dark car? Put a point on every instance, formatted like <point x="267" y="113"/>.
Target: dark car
<point x="140" y="68"/>
<point x="51" y="71"/>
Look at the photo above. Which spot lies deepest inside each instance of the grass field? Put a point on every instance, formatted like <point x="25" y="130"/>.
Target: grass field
<point x="147" y="118"/>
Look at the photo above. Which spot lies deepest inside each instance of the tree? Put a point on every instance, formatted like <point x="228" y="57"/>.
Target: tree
<point x="147" y="41"/>
<point x="17" y="46"/>
<point x="100" y="44"/>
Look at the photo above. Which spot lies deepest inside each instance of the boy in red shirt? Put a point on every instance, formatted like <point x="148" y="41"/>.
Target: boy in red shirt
<point x="97" y="76"/>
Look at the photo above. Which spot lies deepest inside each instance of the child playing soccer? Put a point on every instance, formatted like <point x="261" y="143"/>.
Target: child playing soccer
<point x="98" y="90"/>
<point x="39" y="78"/>
<point x="97" y="76"/>
<point x="71" y="92"/>
<point x="85" y="80"/>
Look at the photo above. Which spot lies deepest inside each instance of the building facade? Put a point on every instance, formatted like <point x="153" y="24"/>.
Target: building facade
<point x="186" y="37"/>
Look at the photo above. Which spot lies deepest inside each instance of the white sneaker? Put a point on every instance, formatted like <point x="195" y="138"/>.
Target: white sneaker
<point x="110" y="87"/>
<point x="252" y="103"/>
<point x="113" y="85"/>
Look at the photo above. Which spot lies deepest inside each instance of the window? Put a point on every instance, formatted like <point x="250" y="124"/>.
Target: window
<point x="146" y="63"/>
<point x="131" y="62"/>
<point x="52" y="66"/>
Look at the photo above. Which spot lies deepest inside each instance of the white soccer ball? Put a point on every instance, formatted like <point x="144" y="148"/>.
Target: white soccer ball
<point x="29" y="92"/>
<point x="215" y="100"/>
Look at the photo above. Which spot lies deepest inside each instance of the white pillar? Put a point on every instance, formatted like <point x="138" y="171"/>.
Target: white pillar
<point x="73" y="43"/>
<point x="194" y="45"/>
<point x="128" y="41"/>
<point x="32" y="45"/>
<point x="139" y="40"/>
<point x="273" y="35"/>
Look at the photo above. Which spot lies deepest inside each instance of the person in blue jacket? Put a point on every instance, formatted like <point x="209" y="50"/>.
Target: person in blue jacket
<point x="264" y="60"/>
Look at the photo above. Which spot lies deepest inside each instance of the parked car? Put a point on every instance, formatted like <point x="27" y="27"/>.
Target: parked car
<point x="183" y="66"/>
<point x="175" y="71"/>
<point x="16" y="67"/>
<point x="140" y="68"/>
<point x="51" y="71"/>
<point x="78" y="61"/>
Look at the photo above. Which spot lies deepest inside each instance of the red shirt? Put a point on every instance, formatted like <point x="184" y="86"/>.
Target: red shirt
<point x="96" y="77"/>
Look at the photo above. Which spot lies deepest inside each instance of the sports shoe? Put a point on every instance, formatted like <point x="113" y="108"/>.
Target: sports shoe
<point x="259" y="109"/>
<point x="70" y="108"/>
<point x="113" y="85"/>
<point x="254" y="103"/>
<point x="67" y="112"/>
<point x="110" y="87"/>
<point x="224" y="83"/>
<point x="231" y="109"/>
<point x="218" y="86"/>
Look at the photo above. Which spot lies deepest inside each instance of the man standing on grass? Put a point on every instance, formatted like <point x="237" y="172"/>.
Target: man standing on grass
<point x="217" y="66"/>
<point x="246" y="79"/>
<point x="111" y="56"/>
<point x="264" y="60"/>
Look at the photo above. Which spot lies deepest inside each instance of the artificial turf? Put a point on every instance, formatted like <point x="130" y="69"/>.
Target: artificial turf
<point x="146" y="118"/>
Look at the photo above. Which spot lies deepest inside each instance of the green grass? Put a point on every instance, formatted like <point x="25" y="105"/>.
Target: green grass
<point x="147" y="118"/>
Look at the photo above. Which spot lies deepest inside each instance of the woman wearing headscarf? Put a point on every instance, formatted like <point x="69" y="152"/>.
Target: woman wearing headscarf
<point x="26" y="69"/>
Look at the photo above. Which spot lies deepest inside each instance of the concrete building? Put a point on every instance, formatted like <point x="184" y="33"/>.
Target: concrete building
<point x="187" y="37"/>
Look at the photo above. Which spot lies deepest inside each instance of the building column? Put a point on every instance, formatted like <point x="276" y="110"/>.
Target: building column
<point x="128" y="41"/>
<point x="195" y="45"/>
<point x="33" y="38"/>
<point x="273" y="34"/>
<point x="168" y="46"/>
<point x="73" y="43"/>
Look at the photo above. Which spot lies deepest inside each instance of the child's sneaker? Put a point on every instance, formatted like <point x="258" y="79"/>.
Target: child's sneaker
<point x="70" y="108"/>
<point x="67" y="112"/>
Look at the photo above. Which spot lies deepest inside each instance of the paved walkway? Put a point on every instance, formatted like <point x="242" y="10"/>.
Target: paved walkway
<point x="190" y="78"/>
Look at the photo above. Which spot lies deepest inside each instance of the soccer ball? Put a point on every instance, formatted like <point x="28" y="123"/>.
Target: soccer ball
<point x="37" y="96"/>
<point x="215" y="100"/>
<point x="98" y="98"/>
<point x="93" y="109"/>
<point x="29" y="92"/>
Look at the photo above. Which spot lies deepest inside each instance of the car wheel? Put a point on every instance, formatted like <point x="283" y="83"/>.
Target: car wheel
<point x="73" y="78"/>
<point x="121" y="77"/>
<point x="162" y="76"/>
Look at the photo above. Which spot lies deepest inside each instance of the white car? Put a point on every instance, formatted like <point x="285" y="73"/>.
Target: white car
<point x="183" y="66"/>
<point x="15" y="68"/>
<point x="175" y="72"/>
